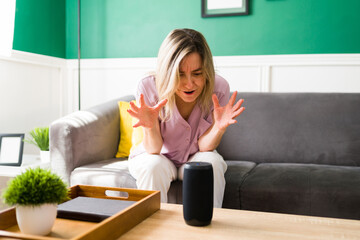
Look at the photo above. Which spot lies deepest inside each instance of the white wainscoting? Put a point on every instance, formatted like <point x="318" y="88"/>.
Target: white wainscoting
<point x="105" y="79"/>
<point x="32" y="92"/>
<point x="292" y="73"/>
<point x="36" y="89"/>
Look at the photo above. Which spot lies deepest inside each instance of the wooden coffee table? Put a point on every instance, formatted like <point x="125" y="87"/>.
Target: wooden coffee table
<point x="168" y="223"/>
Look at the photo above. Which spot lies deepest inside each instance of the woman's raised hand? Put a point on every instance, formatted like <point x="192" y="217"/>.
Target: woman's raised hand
<point x="147" y="116"/>
<point x="225" y="116"/>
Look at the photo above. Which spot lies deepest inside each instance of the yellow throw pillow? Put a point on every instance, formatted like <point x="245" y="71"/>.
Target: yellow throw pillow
<point x="129" y="136"/>
<point x="137" y="135"/>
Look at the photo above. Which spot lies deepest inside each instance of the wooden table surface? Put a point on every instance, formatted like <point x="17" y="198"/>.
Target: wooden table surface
<point x="168" y="223"/>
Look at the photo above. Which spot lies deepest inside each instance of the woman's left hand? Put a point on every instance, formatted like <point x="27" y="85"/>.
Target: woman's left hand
<point x="225" y="116"/>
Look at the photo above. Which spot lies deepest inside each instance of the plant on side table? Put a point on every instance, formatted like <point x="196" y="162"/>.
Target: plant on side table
<point x="40" y="138"/>
<point x="35" y="193"/>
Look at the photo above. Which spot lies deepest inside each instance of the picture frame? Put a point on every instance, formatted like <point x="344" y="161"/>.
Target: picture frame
<point x="11" y="149"/>
<point x="220" y="8"/>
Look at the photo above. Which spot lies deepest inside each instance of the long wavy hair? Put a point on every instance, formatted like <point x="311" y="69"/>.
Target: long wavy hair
<point x="177" y="45"/>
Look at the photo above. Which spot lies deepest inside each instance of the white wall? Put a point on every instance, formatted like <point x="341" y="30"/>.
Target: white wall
<point x="35" y="89"/>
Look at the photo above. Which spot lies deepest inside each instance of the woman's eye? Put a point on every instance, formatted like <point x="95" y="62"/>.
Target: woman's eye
<point x="197" y="74"/>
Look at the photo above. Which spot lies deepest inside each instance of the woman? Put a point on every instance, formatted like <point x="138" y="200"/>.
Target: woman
<point x="184" y="109"/>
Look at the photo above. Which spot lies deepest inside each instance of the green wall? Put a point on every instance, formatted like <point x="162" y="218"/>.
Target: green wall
<point x="40" y="27"/>
<point x="136" y="28"/>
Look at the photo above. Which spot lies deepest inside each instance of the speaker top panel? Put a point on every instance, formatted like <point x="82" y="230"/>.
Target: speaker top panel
<point x="198" y="165"/>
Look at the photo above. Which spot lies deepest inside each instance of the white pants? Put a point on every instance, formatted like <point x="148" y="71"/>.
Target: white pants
<point x="156" y="172"/>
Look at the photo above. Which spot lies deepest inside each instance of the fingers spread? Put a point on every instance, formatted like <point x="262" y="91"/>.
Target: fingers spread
<point x="138" y="124"/>
<point x="233" y="98"/>
<point x="161" y="104"/>
<point x="132" y="113"/>
<point x="237" y="112"/>
<point x="141" y="100"/>
<point x="215" y="101"/>
<point x="232" y="121"/>
<point x="134" y="107"/>
<point x="238" y="104"/>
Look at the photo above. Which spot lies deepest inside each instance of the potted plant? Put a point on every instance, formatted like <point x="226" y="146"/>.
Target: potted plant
<point x="35" y="193"/>
<point x="40" y="138"/>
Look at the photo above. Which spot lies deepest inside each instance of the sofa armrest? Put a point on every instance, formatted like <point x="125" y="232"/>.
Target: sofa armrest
<point x="84" y="137"/>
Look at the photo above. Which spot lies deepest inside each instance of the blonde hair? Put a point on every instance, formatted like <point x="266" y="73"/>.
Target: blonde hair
<point x="177" y="45"/>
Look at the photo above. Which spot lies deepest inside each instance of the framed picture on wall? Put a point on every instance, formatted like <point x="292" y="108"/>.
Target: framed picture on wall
<point x="11" y="149"/>
<point x="218" y="8"/>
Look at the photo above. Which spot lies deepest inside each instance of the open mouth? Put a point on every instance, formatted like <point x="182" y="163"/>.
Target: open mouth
<point x="189" y="92"/>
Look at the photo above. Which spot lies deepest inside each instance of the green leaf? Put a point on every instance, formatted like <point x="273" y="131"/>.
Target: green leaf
<point x="34" y="187"/>
<point x="40" y="138"/>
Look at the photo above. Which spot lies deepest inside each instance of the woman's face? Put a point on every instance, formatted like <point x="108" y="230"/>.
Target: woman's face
<point x="192" y="81"/>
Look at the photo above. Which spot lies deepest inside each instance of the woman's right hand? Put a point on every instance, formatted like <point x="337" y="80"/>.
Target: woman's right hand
<point x="147" y="116"/>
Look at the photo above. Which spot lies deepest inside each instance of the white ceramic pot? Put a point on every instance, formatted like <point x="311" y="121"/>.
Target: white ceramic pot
<point x="45" y="156"/>
<point x="36" y="220"/>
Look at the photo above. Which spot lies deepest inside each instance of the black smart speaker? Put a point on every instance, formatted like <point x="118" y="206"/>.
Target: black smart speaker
<point x="198" y="193"/>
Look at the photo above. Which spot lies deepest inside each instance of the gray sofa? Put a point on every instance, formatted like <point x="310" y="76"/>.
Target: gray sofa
<point x="295" y="153"/>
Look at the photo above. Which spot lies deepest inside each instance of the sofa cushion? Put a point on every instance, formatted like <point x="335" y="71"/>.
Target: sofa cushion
<point x="110" y="173"/>
<point x="126" y="130"/>
<point x="308" y="189"/>
<point x="115" y="173"/>
<point x="318" y="128"/>
<point x="234" y="177"/>
<point x="130" y="137"/>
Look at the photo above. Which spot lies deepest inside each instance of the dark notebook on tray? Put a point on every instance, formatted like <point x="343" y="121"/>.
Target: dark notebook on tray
<point x="91" y="209"/>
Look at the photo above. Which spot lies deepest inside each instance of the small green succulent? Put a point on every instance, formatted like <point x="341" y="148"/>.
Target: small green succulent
<point x="40" y="138"/>
<point x="35" y="186"/>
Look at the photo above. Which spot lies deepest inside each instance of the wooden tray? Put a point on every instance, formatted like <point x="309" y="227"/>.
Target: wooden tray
<point x="147" y="202"/>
